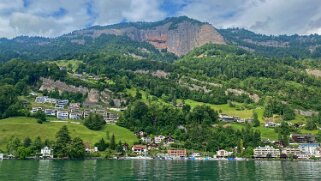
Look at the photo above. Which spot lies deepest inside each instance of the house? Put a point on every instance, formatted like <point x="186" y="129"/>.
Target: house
<point x="46" y="152"/>
<point x="75" y="115"/>
<point x="50" y="100"/>
<point x="41" y="99"/>
<point x="62" y="102"/>
<point x="168" y="141"/>
<point x="223" y="154"/>
<point x="226" y="118"/>
<point x="196" y="154"/>
<point x="74" y="106"/>
<point x="291" y="151"/>
<point x="139" y="149"/>
<point x="152" y="146"/>
<point x="62" y="114"/>
<point x="36" y="109"/>
<point x="270" y="124"/>
<point x="146" y="139"/>
<point x="140" y="134"/>
<point x="87" y="113"/>
<point x="266" y="151"/>
<point x="111" y="117"/>
<point x="90" y="149"/>
<point x="309" y="148"/>
<point x="158" y="139"/>
<point x="303" y="138"/>
<point x="239" y="120"/>
<point x="50" y="112"/>
<point x="177" y="153"/>
<point x="57" y="106"/>
<point x="1" y="156"/>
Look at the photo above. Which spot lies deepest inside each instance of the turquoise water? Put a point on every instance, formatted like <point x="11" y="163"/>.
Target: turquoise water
<point x="158" y="170"/>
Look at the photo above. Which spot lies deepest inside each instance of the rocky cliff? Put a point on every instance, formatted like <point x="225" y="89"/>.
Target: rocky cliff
<point x="177" y="35"/>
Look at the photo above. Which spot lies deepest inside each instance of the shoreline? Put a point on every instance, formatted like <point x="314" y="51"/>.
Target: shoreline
<point x="158" y="159"/>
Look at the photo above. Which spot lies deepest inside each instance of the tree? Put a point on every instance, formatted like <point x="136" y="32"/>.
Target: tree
<point x="27" y="142"/>
<point x="112" y="142"/>
<point x="76" y="149"/>
<point x="204" y="114"/>
<point x="256" y="121"/>
<point x="62" y="141"/>
<point x="310" y="125"/>
<point x="37" y="144"/>
<point x="186" y="108"/>
<point x="101" y="145"/>
<point x="94" y="121"/>
<point x="22" y="152"/>
<point x="318" y="136"/>
<point x="284" y="132"/>
<point x="40" y="116"/>
<point x="240" y="147"/>
<point x="13" y="145"/>
<point x="138" y="95"/>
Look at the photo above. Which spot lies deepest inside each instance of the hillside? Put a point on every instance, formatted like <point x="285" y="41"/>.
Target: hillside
<point x="177" y="35"/>
<point x="22" y="127"/>
<point x="297" y="46"/>
<point x="215" y="96"/>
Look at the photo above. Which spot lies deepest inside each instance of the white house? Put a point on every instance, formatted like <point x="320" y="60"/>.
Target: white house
<point x="223" y="153"/>
<point x="159" y="139"/>
<point x="139" y="149"/>
<point x="1" y="156"/>
<point x="309" y="148"/>
<point x="62" y="115"/>
<point x="291" y="151"/>
<point x="36" y="109"/>
<point x="263" y="152"/>
<point x="75" y="115"/>
<point x="41" y="99"/>
<point x="50" y="100"/>
<point x="47" y="152"/>
<point x="146" y="139"/>
<point x="50" y="112"/>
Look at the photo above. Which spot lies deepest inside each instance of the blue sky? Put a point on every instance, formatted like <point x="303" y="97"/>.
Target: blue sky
<point x="55" y="17"/>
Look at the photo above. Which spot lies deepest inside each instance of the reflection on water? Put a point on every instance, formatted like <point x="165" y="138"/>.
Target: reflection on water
<point x="159" y="170"/>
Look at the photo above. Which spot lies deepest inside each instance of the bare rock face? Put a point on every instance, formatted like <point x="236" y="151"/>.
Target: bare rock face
<point x="176" y="37"/>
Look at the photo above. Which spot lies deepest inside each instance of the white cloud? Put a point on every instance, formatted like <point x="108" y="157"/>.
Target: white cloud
<point x="55" y="17"/>
<point x="110" y="12"/>
<point x="263" y="16"/>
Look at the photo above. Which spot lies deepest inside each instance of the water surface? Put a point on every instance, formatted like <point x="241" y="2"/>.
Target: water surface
<point x="158" y="170"/>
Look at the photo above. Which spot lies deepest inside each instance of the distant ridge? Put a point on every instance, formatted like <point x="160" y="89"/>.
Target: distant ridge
<point x="178" y="35"/>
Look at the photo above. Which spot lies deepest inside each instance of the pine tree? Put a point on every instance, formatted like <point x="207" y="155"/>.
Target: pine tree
<point x="113" y="142"/>
<point x="256" y="121"/>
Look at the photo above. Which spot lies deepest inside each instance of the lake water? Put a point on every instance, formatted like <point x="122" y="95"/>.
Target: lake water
<point x="158" y="170"/>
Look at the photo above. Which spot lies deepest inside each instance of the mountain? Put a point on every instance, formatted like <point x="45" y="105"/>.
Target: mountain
<point x="160" y="40"/>
<point x="177" y="35"/>
<point x="296" y="46"/>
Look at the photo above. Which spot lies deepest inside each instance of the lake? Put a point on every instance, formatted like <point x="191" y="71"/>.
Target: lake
<point x="158" y="170"/>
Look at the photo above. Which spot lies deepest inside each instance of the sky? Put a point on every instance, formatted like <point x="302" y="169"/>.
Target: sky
<point x="52" y="18"/>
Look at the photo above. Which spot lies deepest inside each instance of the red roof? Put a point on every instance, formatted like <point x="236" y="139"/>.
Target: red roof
<point x="136" y="147"/>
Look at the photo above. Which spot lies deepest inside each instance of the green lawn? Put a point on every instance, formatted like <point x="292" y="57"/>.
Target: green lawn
<point x="231" y="111"/>
<point x="74" y="63"/>
<point x="266" y="133"/>
<point x="22" y="127"/>
<point x="146" y="97"/>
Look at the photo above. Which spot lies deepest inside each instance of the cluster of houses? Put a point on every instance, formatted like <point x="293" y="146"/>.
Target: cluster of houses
<point x="232" y="119"/>
<point x="302" y="146"/>
<point x="73" y="111"/>
<point x="149" y="143"/>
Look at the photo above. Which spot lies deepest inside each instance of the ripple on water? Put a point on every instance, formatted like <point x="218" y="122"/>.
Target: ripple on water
<point x="159" y="170"/>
